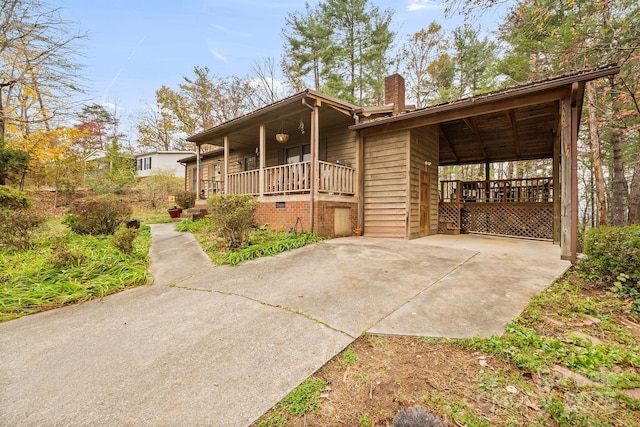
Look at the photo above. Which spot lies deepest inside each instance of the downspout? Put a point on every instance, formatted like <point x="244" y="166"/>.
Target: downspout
<point x="574" y="174"/>
<point x="314" y="161"/>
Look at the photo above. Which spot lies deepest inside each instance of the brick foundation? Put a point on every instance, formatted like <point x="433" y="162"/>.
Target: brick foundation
<point x="282" y="216"/>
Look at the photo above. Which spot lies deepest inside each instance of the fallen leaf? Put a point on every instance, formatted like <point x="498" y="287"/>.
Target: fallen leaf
<point x="511" y="389"/>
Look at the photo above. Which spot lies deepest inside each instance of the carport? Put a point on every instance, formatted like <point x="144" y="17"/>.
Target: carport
<point x="538" y="120"/>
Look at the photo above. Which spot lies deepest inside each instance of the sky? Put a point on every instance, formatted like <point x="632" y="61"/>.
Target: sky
<point x="134" y="47"/>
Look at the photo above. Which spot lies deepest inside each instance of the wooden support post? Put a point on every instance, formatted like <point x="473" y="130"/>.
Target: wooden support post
<point x="574" y="174"/>
<point x="226" y="165"/>
<point x="262" y="150"/>
<point x="360" y="185"/>
<point x="198" y="171"/>
<point x="565" y="177"/>
<point x="315" y="144"/>
<point x="557" y="186"/>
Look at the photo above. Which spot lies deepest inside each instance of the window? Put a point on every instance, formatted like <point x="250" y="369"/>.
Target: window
<point x="250" y="162"/>
<point x="298" y="154"/>
<point x="147" y="163"/>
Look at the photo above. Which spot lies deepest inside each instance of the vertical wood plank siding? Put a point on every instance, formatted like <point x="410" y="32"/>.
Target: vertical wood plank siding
<point x="385" y="185"/>
<point x="424" y="148"/>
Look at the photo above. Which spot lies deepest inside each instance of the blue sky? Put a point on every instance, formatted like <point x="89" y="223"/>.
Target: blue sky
<point x="136" y="46"/>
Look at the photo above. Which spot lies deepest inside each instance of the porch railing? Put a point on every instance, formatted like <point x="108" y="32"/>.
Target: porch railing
<point x="294" y="178"/>
<point x="247" y="182"/>
<point x="336" y="179"/>
<point x="285" y="179"/>
<point x="524" y="190"/>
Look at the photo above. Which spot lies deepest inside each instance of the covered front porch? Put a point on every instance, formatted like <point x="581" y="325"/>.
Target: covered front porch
<point x="297" y="156"/>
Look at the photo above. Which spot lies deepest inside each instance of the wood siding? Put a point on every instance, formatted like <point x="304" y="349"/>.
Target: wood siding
<point x="424" y="148"/>
<point x="385" y="184"/>
<point x="341" y="146"/>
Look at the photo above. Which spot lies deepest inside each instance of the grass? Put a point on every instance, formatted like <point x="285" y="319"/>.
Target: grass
<point x="65" y="268"/>
<point x="514" y="380"/>
<point x="303" y="399"/>
<point x="262" y="242"/>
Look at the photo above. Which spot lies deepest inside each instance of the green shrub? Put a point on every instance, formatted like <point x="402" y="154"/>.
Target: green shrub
<point x="612" y="251"/>
<point x="186" y="199"/>
<point x="98" y="215"/>
<point x="19" y="221"/>
<point x="123" y="239"/>
<point x="233" y="216"/>
<point x="10" y="198"/>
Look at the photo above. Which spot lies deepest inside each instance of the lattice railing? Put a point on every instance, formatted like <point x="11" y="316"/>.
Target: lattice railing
<point x="448" y="216"/>
<point x="532" y="220"/>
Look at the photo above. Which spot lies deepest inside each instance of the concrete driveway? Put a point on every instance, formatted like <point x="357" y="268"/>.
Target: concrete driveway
<point x="220" y="346"/>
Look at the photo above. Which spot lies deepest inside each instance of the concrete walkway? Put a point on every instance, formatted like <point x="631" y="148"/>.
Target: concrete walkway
<point x="220" y="346"/>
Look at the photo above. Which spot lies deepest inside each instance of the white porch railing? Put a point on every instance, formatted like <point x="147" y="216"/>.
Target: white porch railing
<point x="336" y="179"/>
<point x="247" y="182"/>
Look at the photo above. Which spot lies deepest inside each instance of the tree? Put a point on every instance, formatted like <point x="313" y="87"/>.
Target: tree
<point x="202" y="101"/>
<point x="474" y="61"/>
<point x="361" y="42"/>
<point x="37" y="72"/>
<point x="421" y="58"/>
<point x="13" y="163"/>
<point x="266" y="88"/>
<point x="158" y="130"/>
<point x="555" y="37"/>
<point x="308" y="46"/>
<point x="113" y="173"/>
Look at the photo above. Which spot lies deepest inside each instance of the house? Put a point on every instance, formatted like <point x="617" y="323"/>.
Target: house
<point x="332" y="167"/>
<point x="153" y="161"/>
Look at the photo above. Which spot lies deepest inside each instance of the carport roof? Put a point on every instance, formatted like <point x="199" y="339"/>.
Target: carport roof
<point x="518" y="123"/>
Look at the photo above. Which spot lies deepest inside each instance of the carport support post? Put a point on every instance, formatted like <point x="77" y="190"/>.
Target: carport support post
<point x="566" y="189"/>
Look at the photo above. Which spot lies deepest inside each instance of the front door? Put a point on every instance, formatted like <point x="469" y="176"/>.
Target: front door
<point x="424" y="203"/>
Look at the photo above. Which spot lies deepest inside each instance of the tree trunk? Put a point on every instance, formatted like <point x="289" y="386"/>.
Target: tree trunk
<point x="596" y="154"/>
<point x="620" y="190"/>
<point x="634" y="193"/>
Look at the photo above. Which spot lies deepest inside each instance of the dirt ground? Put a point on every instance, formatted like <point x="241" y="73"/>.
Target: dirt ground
<point x="378" y="376"/>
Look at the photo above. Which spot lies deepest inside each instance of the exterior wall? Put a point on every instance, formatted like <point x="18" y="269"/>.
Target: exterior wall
<point x="341" y="146"/>
<point x="167" y="160"/>
<point x="386" y="162"/>
<point x="424" y="148"/>
<point x="325" y="215"/>
<point x="284" y="218"/>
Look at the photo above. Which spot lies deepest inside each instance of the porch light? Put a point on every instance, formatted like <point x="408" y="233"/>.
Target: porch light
<point x="282" y="136"/>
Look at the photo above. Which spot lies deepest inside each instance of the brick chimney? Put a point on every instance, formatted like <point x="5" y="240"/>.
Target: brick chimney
<point x="394" y="92"/>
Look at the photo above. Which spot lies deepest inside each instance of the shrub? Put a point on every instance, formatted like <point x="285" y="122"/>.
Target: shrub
<point x="123" y="239"/>
<point x="11" y="198"/>
<point x="19" y="221"/>
<point x="159" y="186"/>
<point x="233" y="217"/>
<point x="612" y="251"/>
<point x="98" y="215"/>
<point x="186" y="199"/>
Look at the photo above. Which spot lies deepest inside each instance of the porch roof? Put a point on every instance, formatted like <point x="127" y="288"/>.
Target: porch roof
<point x="518" y="123"/>
<point x="271" y="115"/>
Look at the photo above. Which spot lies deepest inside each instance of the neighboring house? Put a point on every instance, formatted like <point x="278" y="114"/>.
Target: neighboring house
<point x="343" y="167"/>
<point x="153" y="161"/>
